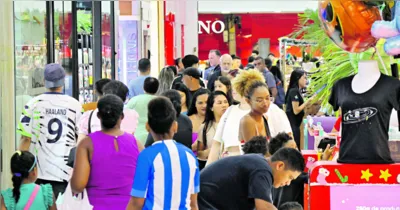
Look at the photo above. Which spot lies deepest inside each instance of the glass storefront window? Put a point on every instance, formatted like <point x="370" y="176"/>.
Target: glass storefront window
<point x="106" y="38"/>
<point x="85" y="60"/>
<point x="30" y="52"/>
<point x="62" y="40"/>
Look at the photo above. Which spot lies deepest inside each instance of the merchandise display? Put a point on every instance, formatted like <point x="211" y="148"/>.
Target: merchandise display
<point x="348" y="186"/>
<point x="85" y="71"/>
<point x="366" y="114"/>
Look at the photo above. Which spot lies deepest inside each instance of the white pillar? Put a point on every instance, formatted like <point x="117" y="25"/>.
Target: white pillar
<point x="157" y="59"/>
<point x="191" y="28"/>
<point x="7" y="105"/>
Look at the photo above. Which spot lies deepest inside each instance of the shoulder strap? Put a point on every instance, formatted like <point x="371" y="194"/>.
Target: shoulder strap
<point x="228" y="111"/>
<point x="268" y="132"/>
<point x="90" y="122"/>
<point x="32" y="198"/>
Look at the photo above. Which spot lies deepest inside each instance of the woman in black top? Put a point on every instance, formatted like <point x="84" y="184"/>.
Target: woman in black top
<point x="184" y="133"/>
<point x="295" y="103"/>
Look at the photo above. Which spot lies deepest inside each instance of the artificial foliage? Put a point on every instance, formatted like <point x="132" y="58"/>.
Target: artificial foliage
<point x="337" y="63"/>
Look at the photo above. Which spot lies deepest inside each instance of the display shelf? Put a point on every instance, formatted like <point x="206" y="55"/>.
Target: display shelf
<point x="85" y="68"/>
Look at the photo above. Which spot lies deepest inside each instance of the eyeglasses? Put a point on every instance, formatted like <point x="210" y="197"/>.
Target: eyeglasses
<point x="262" y="100"/>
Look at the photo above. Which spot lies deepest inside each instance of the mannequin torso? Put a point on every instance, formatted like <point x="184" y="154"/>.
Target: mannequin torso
<point x="367" y="76"/>
<point x="366" y="100"/>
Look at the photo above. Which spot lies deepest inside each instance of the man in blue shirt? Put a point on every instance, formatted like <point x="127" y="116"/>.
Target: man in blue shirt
<point x="259" y="63"/>
<point x="136" y="85"/>
<point x="167" y="173"/>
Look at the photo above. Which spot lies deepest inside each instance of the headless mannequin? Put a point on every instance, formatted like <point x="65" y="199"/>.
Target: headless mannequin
<point x="367" y="76"/>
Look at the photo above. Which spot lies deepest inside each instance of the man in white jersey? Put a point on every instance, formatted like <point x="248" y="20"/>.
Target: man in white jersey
<point x="48" y="128"/>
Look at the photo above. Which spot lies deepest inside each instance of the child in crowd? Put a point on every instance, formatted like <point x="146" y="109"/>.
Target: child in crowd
<point x="167" y="175"/>
<point x="26" y="194"/>
<point x="291" y="206"/>
<point x="256" y="145"/>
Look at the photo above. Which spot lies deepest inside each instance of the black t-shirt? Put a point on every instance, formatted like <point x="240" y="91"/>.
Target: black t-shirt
<point x="293" y="94"/>
<point x="234" y="182"/>
<point x="184" y="134"/>
<point x="365" y="119"/>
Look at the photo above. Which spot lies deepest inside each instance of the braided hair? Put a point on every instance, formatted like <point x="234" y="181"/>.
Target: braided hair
<point x="22" y="163"/>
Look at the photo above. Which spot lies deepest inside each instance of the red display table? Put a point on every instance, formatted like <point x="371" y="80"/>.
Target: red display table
<point x="334" y="186"/>
<point x="310" y="157"/>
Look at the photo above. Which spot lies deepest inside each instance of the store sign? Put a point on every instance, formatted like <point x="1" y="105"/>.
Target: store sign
<point x="211" y="27"/>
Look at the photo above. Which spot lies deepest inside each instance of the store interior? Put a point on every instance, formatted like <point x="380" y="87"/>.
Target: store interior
<point x="106" y="39"/>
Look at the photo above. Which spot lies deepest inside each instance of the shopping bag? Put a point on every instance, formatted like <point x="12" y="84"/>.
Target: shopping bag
<point x="67" y="201"/>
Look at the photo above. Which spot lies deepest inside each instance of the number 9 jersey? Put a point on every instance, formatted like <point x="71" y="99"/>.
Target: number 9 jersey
<point x="50" y="120"/>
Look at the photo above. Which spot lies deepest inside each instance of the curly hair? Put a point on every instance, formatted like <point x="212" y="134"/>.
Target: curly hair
<point x="245" y="79"/>
<point x="256" y="145"/>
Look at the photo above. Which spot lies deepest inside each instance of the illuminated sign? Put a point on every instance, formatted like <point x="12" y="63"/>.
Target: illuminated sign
<point x="211" y="27"/>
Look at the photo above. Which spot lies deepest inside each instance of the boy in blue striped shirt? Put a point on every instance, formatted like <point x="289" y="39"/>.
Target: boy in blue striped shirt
<point x="167" y="173"/>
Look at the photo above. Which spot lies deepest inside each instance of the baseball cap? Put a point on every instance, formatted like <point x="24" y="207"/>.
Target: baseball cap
<point x="54" y="75"/>
<point x="193" y="72"/>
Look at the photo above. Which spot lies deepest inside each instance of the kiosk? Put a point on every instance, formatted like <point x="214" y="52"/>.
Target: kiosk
<point x="338" y="186"/>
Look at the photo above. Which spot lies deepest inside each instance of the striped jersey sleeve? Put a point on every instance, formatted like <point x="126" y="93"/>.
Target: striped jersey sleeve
<point x="25" y="124"/>
<point x="142" y="175"/>
<point x="196" y="181"/>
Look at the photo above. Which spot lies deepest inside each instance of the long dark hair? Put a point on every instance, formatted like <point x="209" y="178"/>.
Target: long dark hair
<point x="22" y="163"/>
<point x="175" y="98"/>
<point x="227" y="82"/>
<point x="192" y="109"/>
<point x="277" y="73"/>
<point x="181" y="87"/>
<point x="210" y="118"/>
<point x="294" y="81"/>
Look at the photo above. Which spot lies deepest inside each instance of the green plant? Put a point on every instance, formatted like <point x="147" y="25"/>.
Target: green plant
<point x="84" y="22"/>
<point x="338" y="63"/>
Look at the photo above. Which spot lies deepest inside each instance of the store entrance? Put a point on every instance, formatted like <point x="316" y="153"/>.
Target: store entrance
<point x="62" y="32"/>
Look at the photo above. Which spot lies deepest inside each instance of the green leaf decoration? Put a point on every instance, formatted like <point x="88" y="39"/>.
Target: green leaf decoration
<point x="338" y="63"/>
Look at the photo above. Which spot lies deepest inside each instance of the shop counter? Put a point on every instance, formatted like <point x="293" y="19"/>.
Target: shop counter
<point x="335" y="186"/>
<point x="310" y="157"/>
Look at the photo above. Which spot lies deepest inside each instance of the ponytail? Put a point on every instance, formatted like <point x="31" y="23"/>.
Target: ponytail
<point x="17" y="182"/>
<point x="22" y="163"/>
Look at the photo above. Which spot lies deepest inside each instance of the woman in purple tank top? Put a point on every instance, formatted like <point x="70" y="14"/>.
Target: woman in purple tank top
<point x="106" y="160"/>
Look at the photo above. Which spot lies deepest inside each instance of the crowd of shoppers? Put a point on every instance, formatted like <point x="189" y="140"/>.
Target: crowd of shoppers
<point x="188" y="120"/>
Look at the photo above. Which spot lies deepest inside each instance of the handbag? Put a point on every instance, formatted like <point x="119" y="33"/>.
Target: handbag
<point x="71" y="156"/>
<point x="32" y="197"/>
<point x="68" y="201"/>
<point x="222" y="152"/>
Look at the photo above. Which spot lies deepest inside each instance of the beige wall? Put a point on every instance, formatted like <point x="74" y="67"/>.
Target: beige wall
<point x="7" y="130"/>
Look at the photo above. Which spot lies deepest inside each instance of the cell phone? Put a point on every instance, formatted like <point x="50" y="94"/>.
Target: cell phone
<point x="319" y="90"/>
<point x="324" y="142"/>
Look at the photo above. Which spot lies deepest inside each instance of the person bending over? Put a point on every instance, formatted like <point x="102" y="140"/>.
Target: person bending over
<point x="168" y="172"/>
<point x="245" y="182"/>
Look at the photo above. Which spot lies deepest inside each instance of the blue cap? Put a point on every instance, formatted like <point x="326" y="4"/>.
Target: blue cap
<point x="54" y="75"/>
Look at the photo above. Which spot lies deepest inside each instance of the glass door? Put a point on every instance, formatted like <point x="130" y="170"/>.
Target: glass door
<point x="30" y="53"/>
